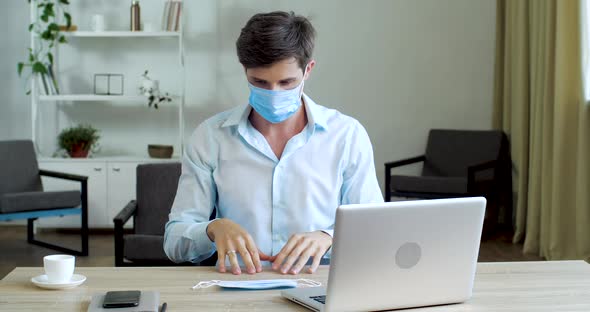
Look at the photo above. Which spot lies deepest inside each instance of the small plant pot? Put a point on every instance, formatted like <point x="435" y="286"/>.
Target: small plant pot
<point x="79" y="150"/>
<point x="160" y="151"/>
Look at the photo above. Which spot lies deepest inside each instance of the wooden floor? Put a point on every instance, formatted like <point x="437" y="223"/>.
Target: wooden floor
<point x="15" y="251"/>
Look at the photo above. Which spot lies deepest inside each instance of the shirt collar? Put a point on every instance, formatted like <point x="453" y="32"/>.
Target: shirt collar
<point x="314" y="114"/>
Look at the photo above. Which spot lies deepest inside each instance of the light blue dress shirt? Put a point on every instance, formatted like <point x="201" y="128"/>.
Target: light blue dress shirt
<point x="229" y="165"/>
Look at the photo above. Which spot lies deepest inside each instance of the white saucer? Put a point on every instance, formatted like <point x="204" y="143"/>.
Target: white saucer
<point x="42" y="282"/>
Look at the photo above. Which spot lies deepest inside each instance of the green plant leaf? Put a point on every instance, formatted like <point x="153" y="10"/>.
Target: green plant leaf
<point x="31" y="57"/>
<point x="31" y="26"/>
<point x="53" y="27"/>
<point x="68" y="18"/>
<point x="28" y="92"/>
<point x="62" y="39"/>
<point x="49" y="10"/>
<point x="64" y="1"/>
<point x="38" y="67"/>
<point x="19" y="68"/>
<point x="46" y="35"/>
<point x="50" y="57"/>
<point x="45" y="18"/>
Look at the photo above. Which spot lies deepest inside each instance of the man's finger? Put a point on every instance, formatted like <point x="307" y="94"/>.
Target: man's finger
<point x="221" y="259"/>
<point x="317" y="258"/>
<point x="285" y="251"/>
<point x="247" y="258"/>
<point x="233" y="260"/>
<point x="265" y="257"/>
<point x="303" y="259"/>
<point x="253" y="250"/>
<point x="294" y="255"/>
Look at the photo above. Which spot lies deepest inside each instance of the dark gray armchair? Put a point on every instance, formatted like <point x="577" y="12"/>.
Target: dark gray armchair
<point x="156" y="189"/>
<point x="22" y="195"/>
<point x="460" y="163"/>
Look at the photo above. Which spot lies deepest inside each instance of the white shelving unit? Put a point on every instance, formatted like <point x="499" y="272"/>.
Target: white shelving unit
<point x="95" y="98"/>
<point x="124" y="34"/>
<point x="111" y="178"/>
<point x="36" y="98"/>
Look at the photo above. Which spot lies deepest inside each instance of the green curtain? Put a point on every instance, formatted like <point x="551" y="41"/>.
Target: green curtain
<point x="539" y="103"/>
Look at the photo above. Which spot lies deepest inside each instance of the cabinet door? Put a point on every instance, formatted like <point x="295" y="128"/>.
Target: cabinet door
<point x="121" y="188"/>
<point x="97" y="188"/>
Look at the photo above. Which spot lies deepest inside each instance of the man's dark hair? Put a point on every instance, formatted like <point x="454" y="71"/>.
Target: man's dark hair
<point x="271" y="37"/>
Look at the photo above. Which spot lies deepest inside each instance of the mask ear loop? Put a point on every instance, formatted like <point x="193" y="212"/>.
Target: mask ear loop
<point x="206" y="284"/>
<point x="304" y="283"/>
<point x="303" y="82"/>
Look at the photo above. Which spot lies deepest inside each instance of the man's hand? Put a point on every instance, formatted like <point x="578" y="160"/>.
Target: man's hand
<point x="299" y="249"/>
<point x="232" y="239"/>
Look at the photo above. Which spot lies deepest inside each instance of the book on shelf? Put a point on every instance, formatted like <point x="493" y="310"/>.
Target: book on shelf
<point x="172" y="15"/>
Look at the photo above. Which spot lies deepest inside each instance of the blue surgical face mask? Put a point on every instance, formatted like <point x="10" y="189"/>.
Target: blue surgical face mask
<point x="275" y="105"/>
<point x="259" y="284"/>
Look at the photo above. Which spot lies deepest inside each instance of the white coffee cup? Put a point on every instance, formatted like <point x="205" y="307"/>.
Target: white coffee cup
<point x="59" y="268"/>
<point x="98" y="23"/>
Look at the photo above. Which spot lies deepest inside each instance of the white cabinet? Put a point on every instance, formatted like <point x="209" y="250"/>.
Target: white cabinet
<point x="111" y="185"/>
<point x="121" y="187"/>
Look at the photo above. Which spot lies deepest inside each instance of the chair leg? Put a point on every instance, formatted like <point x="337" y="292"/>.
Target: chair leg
<point x="490" y="226"/>
<point x="84" y="219"/>
<point x="31" y="230"/>
<point x="387" y="187"/>
<point x="83" y="229"/>
<point x="119" y="246"/>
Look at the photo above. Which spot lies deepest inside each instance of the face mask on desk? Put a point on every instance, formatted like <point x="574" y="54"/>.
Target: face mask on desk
<point x="259" y="284"/>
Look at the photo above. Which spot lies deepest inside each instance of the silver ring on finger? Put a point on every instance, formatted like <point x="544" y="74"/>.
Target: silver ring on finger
<point x="229" y="252"/>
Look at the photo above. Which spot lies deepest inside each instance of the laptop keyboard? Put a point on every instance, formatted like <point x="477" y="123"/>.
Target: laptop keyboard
<point x="320" y="299"/>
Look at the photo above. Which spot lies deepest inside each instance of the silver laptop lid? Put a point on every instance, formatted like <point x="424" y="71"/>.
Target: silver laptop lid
<point x="404" y="254"/>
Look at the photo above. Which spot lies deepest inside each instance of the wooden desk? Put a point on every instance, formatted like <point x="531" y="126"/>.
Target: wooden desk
<point x="516" y="286"/>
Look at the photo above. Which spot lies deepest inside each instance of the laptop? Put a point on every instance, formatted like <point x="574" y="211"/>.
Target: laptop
<point x="400" y="255"/>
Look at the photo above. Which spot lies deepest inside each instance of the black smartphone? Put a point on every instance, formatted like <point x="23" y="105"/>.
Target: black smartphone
<point x="121" y="299"/>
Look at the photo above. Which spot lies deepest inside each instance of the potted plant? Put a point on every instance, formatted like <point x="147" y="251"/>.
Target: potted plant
<point x="78" y="140"/>
<point x="40" y="59"/>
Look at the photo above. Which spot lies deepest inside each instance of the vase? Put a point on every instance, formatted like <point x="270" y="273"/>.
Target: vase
<point x="79" y="150"/>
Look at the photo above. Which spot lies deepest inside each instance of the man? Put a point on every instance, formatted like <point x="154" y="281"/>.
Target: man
<point x="274" y="169"/>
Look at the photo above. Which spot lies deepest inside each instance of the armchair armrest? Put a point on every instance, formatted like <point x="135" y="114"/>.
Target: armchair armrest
<point x="398" y="163"/>
<point x="61" y="175"/>
<point x="403" y="162"/>
<point x="120" y="219"/>
<point x="127" y="212"/>
<point x="472" y="170"/>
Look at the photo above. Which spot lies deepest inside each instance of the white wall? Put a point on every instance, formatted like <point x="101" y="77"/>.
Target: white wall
<point x="400" y="67"/>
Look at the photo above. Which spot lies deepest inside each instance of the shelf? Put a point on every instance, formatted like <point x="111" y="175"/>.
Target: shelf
<point x="125" y="34"/>
<point x="95" y="98"/>
<point x="139" y="159"/>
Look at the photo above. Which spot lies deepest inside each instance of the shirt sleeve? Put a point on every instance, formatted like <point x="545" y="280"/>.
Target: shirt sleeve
<point x="359" y="183"/>
<point x="185" y="238"/>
